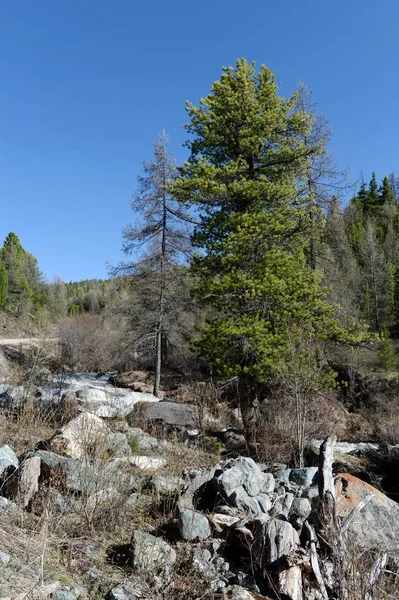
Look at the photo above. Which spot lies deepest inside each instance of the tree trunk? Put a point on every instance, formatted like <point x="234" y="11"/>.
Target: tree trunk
<point x="160" y="325"/>
<point x="248" y="401"/>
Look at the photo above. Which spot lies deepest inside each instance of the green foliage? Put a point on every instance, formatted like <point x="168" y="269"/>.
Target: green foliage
<point x="242" y="176"/>
<point x="135" y="444"/>
<point x="3" y="284"/>
<point x="386" y="353"/>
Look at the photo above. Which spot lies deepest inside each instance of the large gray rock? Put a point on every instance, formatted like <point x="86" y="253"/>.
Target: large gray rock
<point x="8" y="458"/>
<point x="82" y="437"/>
<point x="170" y="413"/>
<point x="376" y="526"/>
<point x="301" y="508"/>
<point x="193" y="525"/>
<point x="251" y="506"/>
<point x="274" y="541"/>
<point x="243" y="472"/>
<point x="305" y="477"/>
<point x="90" y="477"/>
<point x="149" y="553"/>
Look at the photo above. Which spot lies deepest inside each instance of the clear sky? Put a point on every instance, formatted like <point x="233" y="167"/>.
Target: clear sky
<point x="86" y="85"/>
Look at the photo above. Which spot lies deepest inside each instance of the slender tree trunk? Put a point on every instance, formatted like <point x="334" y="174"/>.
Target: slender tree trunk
<point x="159" y="332"/>
<point x="248" y="401"/>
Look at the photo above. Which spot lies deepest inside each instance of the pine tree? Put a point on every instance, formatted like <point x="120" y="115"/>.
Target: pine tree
<point x="246" y="152"/>
<point x="385" y="192"/>
<point x="3" y="285"/>
<point x="373" y="199"/>
<point x="25" y="290"/>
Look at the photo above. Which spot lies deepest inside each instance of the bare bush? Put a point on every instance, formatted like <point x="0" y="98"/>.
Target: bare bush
<point x="87" y="343"/>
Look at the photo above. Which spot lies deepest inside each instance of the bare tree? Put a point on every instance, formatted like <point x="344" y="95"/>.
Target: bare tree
<point x="159" y="242"/>
<point x="321" y="179"/>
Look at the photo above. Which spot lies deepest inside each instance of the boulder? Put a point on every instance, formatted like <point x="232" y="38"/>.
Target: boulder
<point x="193" y="526"/>
<point x="301" y="508"/>
<point x="274" y="541"/>
<point x="376" y="526"/>
<point x="305" y="477"/>
<point x="245" y="473"/>
<point x="82" y="437"/>
<point x="8" y="458"/>
<point x="23" y="484"/>
<point x="149" y="553"/>
<point x="169" y="413"/>
<point x="250" y="505"/>
<point x="90" y="477"/>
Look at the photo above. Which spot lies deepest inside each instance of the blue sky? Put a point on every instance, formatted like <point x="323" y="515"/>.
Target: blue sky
<point x="86" y="85"/>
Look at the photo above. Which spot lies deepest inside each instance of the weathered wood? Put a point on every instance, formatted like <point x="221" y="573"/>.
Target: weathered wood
<point x="376" y="571"/>
<point x="326" y="458"/>
<point x="314" y="560"/>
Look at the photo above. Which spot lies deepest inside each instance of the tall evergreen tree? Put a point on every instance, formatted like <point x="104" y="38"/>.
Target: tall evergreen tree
<point x="246" y="152"/>
<point x="3" y="285"/>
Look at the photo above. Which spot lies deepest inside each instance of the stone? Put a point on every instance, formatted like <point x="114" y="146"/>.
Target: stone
<point x="244" y="472"/>
<point x="198" y="481"/>
<point x="90" y="477"/>
<point x="23" y="484"/>
<point x="169" y="413"/>
<point x="4" y="558"/>
<point x="81" y="438"/>
<point x="118" y="444"/>
<point x="144" y="463"/>
<point x="10" y="507"/>
<point x="63" y="595"/>
<point x="236" y="592"/>
<point x="149" y="553"/>
<point x="305" y="477"/>
<point x="376" y="526"/>
<point x="143" y="441"/>
<point x="282" y="477"/>
<point x="202" y="562"/>
<point x="50" y="462"/>
<point x="274" y="541"/>
<point x="223" y="521"/>
<point x="301" y="508"/>
<point x="250" y="505"/>
<point x="8" y="458"/>
<point x="193" y="526"/>
<point x="126" y="590"/>
<point x="162" y="484"/>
